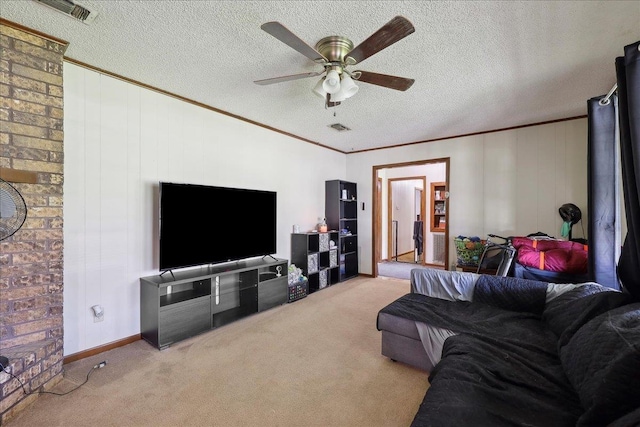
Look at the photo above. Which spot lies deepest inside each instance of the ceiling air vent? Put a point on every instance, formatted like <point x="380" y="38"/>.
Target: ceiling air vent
<point x="339" y="127"/>
<point x="72" y="9"/>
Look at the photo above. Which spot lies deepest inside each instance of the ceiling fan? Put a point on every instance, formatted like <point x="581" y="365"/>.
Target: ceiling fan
<point x="336" y="53"/>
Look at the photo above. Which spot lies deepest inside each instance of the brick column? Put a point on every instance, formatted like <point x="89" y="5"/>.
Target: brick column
<point x="31" y="275"/>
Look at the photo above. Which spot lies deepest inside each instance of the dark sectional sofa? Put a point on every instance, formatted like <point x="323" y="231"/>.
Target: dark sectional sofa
<point x="504" y="351"/>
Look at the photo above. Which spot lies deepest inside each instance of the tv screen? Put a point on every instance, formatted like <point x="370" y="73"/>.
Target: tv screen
<point x="202" y="224"/>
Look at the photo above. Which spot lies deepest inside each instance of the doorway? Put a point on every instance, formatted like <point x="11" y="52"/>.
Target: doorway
<point x="406" y="208"/>
<point x="413" y="204"/>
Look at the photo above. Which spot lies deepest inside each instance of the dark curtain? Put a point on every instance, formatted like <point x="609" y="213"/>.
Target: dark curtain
<point x="628" y="76"/>
<point x="601" y="184"/>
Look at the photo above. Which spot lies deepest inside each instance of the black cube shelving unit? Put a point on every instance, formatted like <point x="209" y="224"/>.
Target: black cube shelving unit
<point x="341" y="213"/>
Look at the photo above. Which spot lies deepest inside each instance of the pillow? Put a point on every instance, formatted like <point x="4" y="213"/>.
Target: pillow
<point x="602" y="361"/>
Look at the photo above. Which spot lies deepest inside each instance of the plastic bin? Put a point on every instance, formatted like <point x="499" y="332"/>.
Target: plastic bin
<point x="298" y="290"/>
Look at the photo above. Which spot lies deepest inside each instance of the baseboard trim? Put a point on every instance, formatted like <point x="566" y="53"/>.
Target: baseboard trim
<point x="101" y="349"/>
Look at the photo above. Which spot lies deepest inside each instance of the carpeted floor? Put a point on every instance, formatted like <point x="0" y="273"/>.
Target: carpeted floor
<point x="398" y="270"/>
<point x="314" y="362"/>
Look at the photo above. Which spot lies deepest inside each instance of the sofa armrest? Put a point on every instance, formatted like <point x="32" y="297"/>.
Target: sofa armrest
<point x="443" y="284"/>
<point x="505" y="292"/>
<point x="511" y="293"/>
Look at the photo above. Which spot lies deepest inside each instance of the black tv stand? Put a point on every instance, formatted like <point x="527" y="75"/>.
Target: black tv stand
<point x="270" y="256"/>
<point x="194" y="301"/>
<point x="170" y="271"/>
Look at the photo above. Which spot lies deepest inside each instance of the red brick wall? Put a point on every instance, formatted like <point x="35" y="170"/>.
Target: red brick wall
<point x="31" y="275"/>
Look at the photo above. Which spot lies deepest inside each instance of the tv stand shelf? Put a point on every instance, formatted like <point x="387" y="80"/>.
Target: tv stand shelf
<point x="181" y="296"/>
<point x="188" y="302"/>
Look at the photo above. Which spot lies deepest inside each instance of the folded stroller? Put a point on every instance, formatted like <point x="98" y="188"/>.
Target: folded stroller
<point x="497" y="256"/>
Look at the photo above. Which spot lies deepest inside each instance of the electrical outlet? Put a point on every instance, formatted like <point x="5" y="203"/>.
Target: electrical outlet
<point x="98" y="313"/>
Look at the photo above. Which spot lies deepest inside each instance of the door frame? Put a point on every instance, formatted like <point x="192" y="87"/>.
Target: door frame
<point x="376" y="232"/>
<point x="377" y="219"/>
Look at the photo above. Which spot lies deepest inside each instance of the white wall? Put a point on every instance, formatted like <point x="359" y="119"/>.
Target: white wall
<point x="120" y="141"/>
<point x="507" y="183"/>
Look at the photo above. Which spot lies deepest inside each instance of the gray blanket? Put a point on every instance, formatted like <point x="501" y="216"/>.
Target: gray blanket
<point x="511" y="293"/>
<point x="502" y="369"/>
<point x="571" y="366"/>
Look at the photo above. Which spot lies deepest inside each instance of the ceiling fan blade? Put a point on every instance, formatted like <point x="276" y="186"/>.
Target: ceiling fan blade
<point x="283" y="34"/>
<point x="264" y="82"/>
<point x="392" y="82"/>
<point x="393" y="31"/>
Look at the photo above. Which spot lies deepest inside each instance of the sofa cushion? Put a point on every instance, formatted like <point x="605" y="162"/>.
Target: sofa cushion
<point x="601" y="361"/>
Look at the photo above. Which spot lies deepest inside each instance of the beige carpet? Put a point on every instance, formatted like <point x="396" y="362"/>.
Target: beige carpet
<point x="314" y="362"/>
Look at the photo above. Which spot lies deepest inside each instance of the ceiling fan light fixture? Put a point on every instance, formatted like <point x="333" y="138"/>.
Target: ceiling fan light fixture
<point x="347" y="87"/>
<point x="318" y="89"/>
<point x="331" y="82"/>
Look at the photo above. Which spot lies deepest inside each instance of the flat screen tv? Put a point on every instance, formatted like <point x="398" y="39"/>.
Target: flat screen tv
<point x="202" y="224"/>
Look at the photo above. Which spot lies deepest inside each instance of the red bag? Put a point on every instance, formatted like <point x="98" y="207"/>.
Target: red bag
<point x="552" y="255"/>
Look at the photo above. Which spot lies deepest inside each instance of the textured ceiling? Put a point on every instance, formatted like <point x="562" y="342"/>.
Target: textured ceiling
<point x="478" y="66"/>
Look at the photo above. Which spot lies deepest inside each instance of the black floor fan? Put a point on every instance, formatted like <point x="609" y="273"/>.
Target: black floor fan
<point x="13" y="213"/>
<point x="571" y="215"/>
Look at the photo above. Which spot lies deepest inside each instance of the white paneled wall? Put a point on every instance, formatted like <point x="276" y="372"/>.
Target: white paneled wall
<point x="507" y="183"/>
<point x="120" y="141"/>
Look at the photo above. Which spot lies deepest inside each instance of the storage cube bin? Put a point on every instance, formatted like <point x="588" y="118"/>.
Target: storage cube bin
<point x="324" y="242"/>
<point x="312" y="263"/>
<point x="333" y="259"/>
